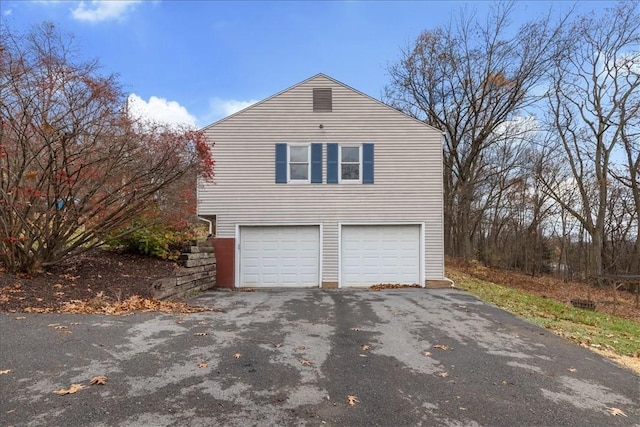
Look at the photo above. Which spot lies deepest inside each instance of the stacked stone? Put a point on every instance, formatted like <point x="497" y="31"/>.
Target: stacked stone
<point x="196" y="272"/>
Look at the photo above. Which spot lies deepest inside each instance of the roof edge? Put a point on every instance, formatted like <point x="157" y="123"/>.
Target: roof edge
<point x="328" y="78"/>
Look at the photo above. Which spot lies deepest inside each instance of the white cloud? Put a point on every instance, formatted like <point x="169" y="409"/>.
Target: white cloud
<point x="7" y="12"/>
<point x="221" y="108"/>
<point x="160" y="110"/>
<point x="103" y="10"/>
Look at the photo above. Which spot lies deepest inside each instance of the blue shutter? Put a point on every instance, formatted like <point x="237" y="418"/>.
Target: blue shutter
<point x="316" y="163"/>
<point x="281" y="163"/>
<point x="332" y="163"/>
<point x="367" y="163"/>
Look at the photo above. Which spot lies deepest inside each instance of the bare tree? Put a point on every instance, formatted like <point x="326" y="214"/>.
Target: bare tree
<point x="469" y="79"/>
<point x="629" y="174"/>
<point x="73" y="165"/>
<point x="593" y="111"/>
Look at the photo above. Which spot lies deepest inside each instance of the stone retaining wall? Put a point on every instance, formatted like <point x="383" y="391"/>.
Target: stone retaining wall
<point x="197" y="272"/>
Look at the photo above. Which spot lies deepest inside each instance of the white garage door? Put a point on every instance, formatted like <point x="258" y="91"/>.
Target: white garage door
<point x="279" y="256"/>
<point x="374" y="254"/>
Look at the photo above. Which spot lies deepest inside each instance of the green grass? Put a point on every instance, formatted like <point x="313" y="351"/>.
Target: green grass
<point x="585" y="327"/>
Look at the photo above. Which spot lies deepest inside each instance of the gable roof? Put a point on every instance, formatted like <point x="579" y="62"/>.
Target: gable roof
<point x="334" y="81"/>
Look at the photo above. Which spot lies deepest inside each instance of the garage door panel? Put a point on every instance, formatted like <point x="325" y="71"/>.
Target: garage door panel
<point x="372" y="254"/>
<point x="273" y="256"/>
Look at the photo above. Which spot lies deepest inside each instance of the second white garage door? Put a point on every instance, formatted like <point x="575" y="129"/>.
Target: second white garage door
<point x="374" y="254"/>
<point x="275" y="256"/>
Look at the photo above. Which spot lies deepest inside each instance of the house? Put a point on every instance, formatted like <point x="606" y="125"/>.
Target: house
<point x="323" y="186"/>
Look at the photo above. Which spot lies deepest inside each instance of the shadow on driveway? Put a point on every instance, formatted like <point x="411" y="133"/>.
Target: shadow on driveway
<point x="293" y="357"/>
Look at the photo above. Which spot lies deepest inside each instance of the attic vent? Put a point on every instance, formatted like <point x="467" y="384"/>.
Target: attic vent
<point x="322" y="99"/>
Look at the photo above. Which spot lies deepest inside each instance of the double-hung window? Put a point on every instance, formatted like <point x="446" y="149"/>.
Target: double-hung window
<point x="299" y="163"/>
<point x="350" y="163"/>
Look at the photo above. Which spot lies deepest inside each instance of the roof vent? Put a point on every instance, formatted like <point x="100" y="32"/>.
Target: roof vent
<point x="322" y="99"/>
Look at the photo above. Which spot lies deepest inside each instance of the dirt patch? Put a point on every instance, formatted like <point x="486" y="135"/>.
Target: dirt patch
<point x="620" y="303"/>
<point x="102" y="276"/>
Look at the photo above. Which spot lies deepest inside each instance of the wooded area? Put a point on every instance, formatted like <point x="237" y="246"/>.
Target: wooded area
<point x="541" y="136"/>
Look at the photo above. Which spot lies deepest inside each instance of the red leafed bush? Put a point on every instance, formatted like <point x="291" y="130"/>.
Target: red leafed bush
<point x="74" y="165"/>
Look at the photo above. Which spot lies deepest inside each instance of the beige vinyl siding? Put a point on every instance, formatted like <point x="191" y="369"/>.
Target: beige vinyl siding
<point x="408" y="170"/>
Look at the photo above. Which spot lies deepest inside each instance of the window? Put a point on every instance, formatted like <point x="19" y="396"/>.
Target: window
<point x="299" y="163"/>
<point x="350" y="163"/>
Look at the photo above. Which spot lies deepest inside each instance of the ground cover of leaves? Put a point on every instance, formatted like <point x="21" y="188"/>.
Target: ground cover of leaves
<point x="555" y="288"/>
<point x="100" y="281"/>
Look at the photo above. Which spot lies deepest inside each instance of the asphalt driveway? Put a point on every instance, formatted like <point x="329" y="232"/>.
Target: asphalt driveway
<point x="407" y="357"/>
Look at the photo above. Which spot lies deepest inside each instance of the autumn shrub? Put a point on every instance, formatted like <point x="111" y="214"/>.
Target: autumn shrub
<point x="156" y="240"/>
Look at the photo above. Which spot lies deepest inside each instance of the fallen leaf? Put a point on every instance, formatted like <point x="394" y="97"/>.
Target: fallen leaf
<point x="11" y="411"/>
<point x="616" y="411"/>
<point x="37" y="310"/>
<point x="365" y="347"/>
<point x="352" y="400"/>
<point x="200" y="334"/>
<point x="100" y="380"/>
<point x="72" y="389"/>
<point x="203" y="365"/>
<point x="133" y="303"/>
<point x="6" y="371"/>
<point x="305" y="362"/>
<point x="301" y="347"/>
<point x="441" y="346"/>
<point x="426" y="353"/>
<point x="20" y="318"/>
<point x="363" y="355"/>
<point x="278" y="345"/>
<point x="391" y="286"/>
<point x="572" y="369"/>
<point x="443" y="374"/>
<point x="237" y="355"/>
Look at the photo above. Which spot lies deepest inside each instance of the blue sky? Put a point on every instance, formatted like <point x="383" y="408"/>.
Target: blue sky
<point x="197" y="61"/>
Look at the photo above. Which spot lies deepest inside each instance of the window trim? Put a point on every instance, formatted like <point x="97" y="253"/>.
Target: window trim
<point x="299" y="181"/>
<point x="350" y="181"/>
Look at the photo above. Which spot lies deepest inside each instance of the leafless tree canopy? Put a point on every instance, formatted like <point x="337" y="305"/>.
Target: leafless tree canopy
<point x="73" y="165"/>
<point x="592" y="112"/>
<point x="541" y="128"/>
